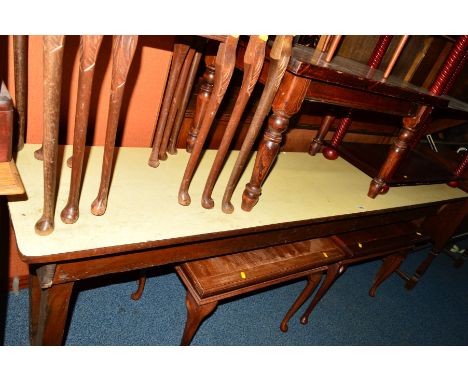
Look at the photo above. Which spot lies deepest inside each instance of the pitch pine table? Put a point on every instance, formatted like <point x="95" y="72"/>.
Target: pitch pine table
<point x="144" y="226"/>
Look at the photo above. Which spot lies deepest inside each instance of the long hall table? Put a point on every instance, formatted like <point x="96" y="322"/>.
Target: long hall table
<point x="144" y="226"/>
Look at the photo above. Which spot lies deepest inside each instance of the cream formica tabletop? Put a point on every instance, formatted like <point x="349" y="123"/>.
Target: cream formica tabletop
<point x="143" y="203"/>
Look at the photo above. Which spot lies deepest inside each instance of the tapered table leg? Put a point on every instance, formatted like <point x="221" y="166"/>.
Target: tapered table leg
<point x="279" y="57"/>
<point x="123" y="49"/>
<point x="312" y="282"/>
<point x="332" y="274"/>
<point x="185" y="99"/>
<point x="390" y="264"/>
<point x="89" y="48"/>
<point x="224" y="67"/>
<point x="203" y="97"/>
<point x="48" y="310"/>
<point x="141" y="286"/>
<point x="180" y="52"/>
<point x="20" y="49"/>
<point x="195" y="315"/>
<point x="176" y="103"/>
<point x="53" y="56"/>
<point x="253" y="63"/>
<point x="287" y="102"/>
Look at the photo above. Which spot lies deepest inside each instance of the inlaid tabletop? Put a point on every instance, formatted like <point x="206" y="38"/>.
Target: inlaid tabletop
<point x="143" y="203"/>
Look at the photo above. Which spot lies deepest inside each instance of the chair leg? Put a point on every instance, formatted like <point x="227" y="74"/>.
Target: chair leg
<point x="171" y="149"/>
<point x="203" y="97"/>
<point x="53" y="56"/>
<point x="224" y="67"/>
<point x="196" y="313"/>
<point x="333" y="272"/>
<point x="20" y="49"/>
<point x="89" y="49"/>
<point x="123" y="49"/>
<point x="390" y="264"/>
<point x="278" y="64"/>
<point x="317" y="142"/>
<point x="287" y="102"/>
<point x="312" y="282"/>
<point x="141" y="286"/>
<point x="180" y="52"/>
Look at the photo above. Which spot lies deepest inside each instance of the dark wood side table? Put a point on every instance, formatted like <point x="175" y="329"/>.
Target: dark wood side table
<point x="306" y="197"/>
<point x="348" y="84"/>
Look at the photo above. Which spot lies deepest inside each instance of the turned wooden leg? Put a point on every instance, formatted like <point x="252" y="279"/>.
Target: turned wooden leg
<point x="390" y="264"/>
<point x="176" y="103"/>
<point x="330" y="152"/>
<point x="20" y="49"/>
<point x="332" y="274"/>
<point x="53" y="56"/>
<point x="171" y="149"/>
<point x="89" y="48"/>
<point x="317" y="142"/>
<point x="312" y="282"/>
<point x="287" y="102"/>
<point x="48" y="311"/>
<point x="422" y="268"/>
<point x="279" y="58"/>
<point x="203" y="97"/>
<point x="123" y="49"/>
<point x="195" y="315"/>
<point x="180" y="52"/>
<point x="224" y="67"/>
<point x="411" y="127"/>
<point x="141" y="286"/>
<point x="253" y="62"/>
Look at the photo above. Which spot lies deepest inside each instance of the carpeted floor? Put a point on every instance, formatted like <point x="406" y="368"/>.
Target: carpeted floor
<point x="434" y="313"/>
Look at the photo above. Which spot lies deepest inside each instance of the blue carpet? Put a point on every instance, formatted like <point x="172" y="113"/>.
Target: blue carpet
<point x="434" y="313"/>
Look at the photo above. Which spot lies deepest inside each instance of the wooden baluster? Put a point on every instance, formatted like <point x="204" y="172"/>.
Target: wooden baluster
<point x="185" y="99"/>
<point x="53" y="57"/>
<point x="180" y="52"/>
<point x="333" y="272"/>
<point x="413" y="127"/>
<point x="287" y="102"/>
<point x="461" y="168"/>
<point x="253" y="62"/>
<point x="390" y="264"/>
<point x="279" y="58"/>
<point x="203" y="97"/>
<point x="312" y="282"/>
<point x="89" y="49"/>
<point x="123" y="49"/>
<point x="449" y="84"/>
<point x="330" y="152"/>
<point x="20" y="49"/>
<point x="333" y="47"/>
<point x="395" y="56"/>
<point x="224" y="67"/>
<point x="176" y="103"/>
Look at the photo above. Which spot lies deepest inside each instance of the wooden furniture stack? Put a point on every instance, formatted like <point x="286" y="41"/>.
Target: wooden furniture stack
<point x="305" y="199"/>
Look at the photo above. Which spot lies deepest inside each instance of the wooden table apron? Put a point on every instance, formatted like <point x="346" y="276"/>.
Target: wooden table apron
<point x="53" y="277"/>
